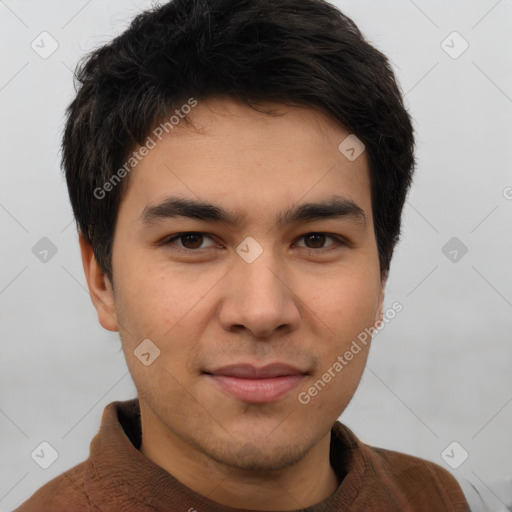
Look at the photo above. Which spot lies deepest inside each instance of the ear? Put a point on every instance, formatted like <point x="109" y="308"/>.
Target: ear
<point x="380" y="304"/>
<point x="100" y="288"/>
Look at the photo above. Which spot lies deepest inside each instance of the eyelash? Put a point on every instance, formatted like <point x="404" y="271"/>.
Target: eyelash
<point x="339" y="242"/>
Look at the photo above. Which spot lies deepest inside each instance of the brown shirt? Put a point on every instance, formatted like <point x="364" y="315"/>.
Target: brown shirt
<point x="117" y="477"/>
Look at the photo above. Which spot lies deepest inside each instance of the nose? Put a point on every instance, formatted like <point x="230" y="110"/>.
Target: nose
<point x="259" y="299"/>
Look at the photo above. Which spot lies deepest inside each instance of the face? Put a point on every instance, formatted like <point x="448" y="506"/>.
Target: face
<point x="281" y="267"/>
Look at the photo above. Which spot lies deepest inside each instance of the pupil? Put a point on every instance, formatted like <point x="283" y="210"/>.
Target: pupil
<point x="316" y="239"/>
<point x="188" y="240"/>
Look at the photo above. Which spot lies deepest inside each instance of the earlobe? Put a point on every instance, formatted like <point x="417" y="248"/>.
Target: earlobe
<point x="100" y="288"/>
<point x="380" y="306"/>
<point x="379" y="316"/>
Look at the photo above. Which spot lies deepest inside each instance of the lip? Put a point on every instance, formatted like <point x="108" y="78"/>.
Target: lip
<point x="257" y="385"/>
<point x="251" y="371"/>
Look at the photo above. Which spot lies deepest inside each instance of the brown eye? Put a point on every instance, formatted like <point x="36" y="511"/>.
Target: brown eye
<point x="314" y="240"/>
<point x="191" y="240"/>
<point x="320" y="242"/>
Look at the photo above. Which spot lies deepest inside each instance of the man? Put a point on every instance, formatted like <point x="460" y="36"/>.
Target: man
<point x="237" y="170"/>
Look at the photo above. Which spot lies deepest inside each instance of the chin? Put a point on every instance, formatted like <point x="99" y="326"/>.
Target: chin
<point x="250" y="457"/>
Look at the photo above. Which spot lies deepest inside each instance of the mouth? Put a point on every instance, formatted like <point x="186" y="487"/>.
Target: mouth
<point x="257" y="385"/>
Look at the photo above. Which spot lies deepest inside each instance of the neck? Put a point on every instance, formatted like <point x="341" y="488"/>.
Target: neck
<point x="305" y="483"/>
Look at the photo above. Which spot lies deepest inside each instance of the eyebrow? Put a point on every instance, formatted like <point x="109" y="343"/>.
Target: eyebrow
<point x="171" y="207"/>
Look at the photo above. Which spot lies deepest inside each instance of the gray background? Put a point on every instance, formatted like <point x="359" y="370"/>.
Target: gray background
<point x="439" y="372"/>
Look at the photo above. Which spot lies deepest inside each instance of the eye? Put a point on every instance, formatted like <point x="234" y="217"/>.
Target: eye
<point x="194" y="241"/>
<point x="318" y="240"/>
<point x="190" y="241"/>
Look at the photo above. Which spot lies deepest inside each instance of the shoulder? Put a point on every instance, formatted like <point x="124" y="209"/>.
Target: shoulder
<point x="420" y="479"/>
<point x="62" y="494"/>
<point x="406" y="479"/>
<point x="413" y="469"/>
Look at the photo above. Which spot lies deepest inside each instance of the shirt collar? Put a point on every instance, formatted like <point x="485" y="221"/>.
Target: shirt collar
<point x="119" y="477"/>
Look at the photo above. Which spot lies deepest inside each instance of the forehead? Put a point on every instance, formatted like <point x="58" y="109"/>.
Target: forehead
<point x="232" y="154"/>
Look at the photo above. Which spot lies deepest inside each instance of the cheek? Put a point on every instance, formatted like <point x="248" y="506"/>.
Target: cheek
<point x="164" y="311"/>
<point x="170" y="308"/>
<point x="156" y="299"/>
<point x="347" y="304"/>
<point x="343" y="311"/>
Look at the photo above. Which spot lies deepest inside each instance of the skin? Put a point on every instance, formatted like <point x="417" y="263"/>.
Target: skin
<point x="300" y="302"/>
